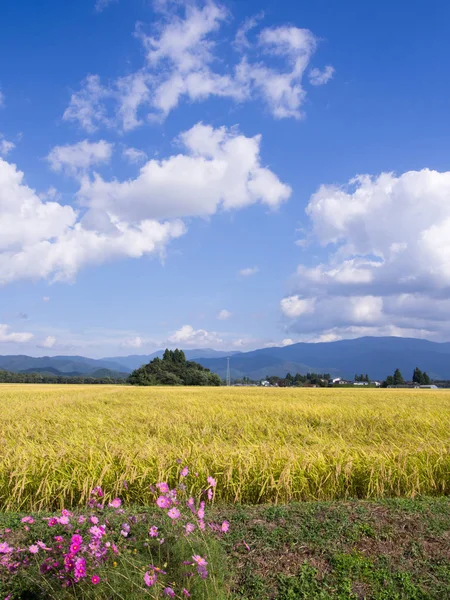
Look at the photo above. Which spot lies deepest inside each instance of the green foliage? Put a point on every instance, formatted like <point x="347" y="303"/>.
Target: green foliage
<point x="173" y="369"/>
<point x="101" y="376"/>
<point x="421" y="378"/>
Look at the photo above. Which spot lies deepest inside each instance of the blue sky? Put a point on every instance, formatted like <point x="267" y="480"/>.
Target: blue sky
<point x="222" y="174"/>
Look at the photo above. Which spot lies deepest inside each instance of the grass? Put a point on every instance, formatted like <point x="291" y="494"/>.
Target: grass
<point x="389" y="550"/>
<point x="359" y="550"/>
<point x="263" y="445"/>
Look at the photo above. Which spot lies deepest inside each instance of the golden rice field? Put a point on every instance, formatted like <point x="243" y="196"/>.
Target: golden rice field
<point x="262" y="445"/>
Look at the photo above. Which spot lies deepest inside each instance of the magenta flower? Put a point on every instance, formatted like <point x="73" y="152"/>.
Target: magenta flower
<point x="184" y="472"/>
<point x="163" y="487"/>
<point x="225" y="526"/>
<point x="97" y="491"/>
<point x="115" y="503"/>
<point x="74" y="548"/>
<point x="34" y="549"/>
<point x="5" y="548"/>
<point x="185" y="593"/>
<point x="174" y="513"/>
<point x="210" y="494"/>
<point x="150" y="578"/>
<point x="81" y="519"/>
<point x="95" y="579"/>
<point x="80" y="568"/>
<point x="189" y="528"/>
<point x="76" y="539"/>
<point x="199" y="560"/>
<point x="93" y="520"/>
<point x="52" y="522"/>
<point x="168" y="591"/>
<point x="64" y="520"/>
<point x="212" y="482"/>
<point x="201" y="513"/>
<point x="29" y="520"/>
<point x="153" y="531"/>
<point x="163" y="502"/>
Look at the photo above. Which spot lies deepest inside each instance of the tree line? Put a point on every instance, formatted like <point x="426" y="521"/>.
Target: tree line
<point x="9" y="377"/>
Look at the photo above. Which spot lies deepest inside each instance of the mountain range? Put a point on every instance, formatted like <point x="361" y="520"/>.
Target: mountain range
<point x="377" y="356"/>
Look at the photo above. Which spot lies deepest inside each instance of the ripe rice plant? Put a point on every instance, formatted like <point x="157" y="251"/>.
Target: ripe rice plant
<point x="262" y="445"/>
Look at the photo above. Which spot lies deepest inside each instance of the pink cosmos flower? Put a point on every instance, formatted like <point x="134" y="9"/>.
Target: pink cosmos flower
<point x="76" y="539"/>
<point x="74" y="548"/>
<point x="97" y="491"/>
<point x="184" y="472"/>
<point x="93" y="520"/>
<point x="212" y="482"/>
<point x="150" y="578"/>
<point x="5" y="548"/>
<point x="59" y="538"/>
<point x="124" y="533"/>
<point x="210" y="494"/>
<point x="80" y="568"/>
<point x="185" y="593"/>
<point x="115" y="503"/>
<point x="201" y="513"/>
<point x="95" y="579"/>
<point x="42" y="545"/>
<point x="64" y="520"/>
<point x="29" y="520"/>
<point x="199" y="560"/>
<point x="34" y="549"/>
<point x="201" y="524"/>
<point x="97" y="532"/>
<point x="174" y="513"/>
<point x="225" y="526"/>
<point x="52" y="522"/>
<point x="168" y="591"/>
<point x="163" y="502"/>
<point x="81" y="519"/>
<point x="189" y="528"/>
<point x="153" y="531"/>
<point x="163" y="487"/>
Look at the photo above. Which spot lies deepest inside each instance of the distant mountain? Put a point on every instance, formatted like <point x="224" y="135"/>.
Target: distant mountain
<point x="64" y="365"/>
<point x="377" y="356"/>
<point x="134" y="361"/>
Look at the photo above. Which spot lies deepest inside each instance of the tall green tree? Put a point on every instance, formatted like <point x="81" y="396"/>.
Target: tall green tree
<point x="398" y="378"/>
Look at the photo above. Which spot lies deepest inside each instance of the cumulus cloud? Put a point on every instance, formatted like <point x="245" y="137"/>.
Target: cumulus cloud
<point x="73" y="158"/>
<point x="294" y="306"/>
<point x="133" y="155"/>
<point x="47" y="240"/>
<point x="5" y="145"/>
<point x="100" y="5"/>
<point x="388" y="241"/>
<point x="188" y="336"/>
<point x="49" y="342"/>
<point x="183" y="56"/>
<point x="219" y="169"/>
<point x="135" y="342"/>
<point x="224" y="314"/>
<point x="6" y="335"/>
<point x="318" y="77"/>
<point x="249" y="271"/>
<point x="40" y="237"/>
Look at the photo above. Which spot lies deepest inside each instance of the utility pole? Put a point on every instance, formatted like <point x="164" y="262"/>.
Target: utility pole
<point x="228" y="372"/>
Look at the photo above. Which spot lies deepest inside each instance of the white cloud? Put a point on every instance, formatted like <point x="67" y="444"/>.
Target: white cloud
<point x="220" y="169"/>
<point x="47" y="240"/>
<point x="9" y="336"/>
<point x="249" y="271"/>
<point x="74" y="158"/>
<point x="388" y="242"/>
<point x="100" y="5"/>
<point x="45" y="298"/>
<point x="224" y="314"/>
<point x="318" y="77"/>
<point x="294" y="306"/>
<point x="2" y="99"/>
<point x="49" y="342"/>
<point x="133" y="155"/>
<point x="183" y="56"/>
<point x="188" y="336"/>
<point x="5" y="145"/>
<point x="135" y="342"/>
